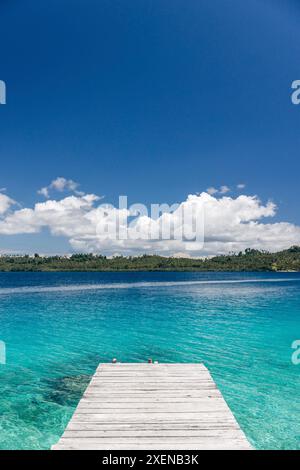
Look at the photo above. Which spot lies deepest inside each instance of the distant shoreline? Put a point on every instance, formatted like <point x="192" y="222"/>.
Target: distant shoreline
<point x="248" y="261"/>
<point x="144" y="271"/>
<point x="149" y="271"/>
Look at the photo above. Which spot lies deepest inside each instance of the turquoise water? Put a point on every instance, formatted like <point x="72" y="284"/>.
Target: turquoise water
<point x="58" y="326"/>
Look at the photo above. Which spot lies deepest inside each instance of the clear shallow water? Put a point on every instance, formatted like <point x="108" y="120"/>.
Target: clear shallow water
<point x="59" y="326"/>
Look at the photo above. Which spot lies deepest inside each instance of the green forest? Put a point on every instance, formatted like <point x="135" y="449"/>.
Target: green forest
<point x="249" y="260"/>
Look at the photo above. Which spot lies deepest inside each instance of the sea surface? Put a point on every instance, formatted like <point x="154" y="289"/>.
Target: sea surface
<point x="57" y="327"/>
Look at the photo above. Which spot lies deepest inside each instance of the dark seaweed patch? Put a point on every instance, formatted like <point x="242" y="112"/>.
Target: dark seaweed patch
<point x="67" y="390"/>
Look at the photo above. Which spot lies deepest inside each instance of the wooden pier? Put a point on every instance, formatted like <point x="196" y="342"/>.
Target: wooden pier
<point x="152" y="406"/>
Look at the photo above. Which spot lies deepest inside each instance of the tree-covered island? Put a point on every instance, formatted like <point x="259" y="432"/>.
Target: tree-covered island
<point x="249" y="260"/>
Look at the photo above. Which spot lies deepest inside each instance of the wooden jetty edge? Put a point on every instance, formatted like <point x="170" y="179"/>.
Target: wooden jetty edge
<point x="152" y="406"/>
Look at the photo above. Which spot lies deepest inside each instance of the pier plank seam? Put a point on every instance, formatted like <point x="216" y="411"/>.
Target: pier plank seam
<point x="136" y="406"/>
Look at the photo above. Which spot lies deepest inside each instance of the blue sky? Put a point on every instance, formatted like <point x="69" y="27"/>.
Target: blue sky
<point x="152" y="99"/>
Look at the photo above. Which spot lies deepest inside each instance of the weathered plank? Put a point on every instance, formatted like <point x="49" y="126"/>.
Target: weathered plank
<point x="152" y="406"/>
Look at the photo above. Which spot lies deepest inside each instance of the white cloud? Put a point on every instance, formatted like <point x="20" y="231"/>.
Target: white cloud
<point x="231" y="224"/>
<point x="222" y="190"/>
<point x="5" y="203"/>
<point x="241" y="186"/>
<point x="211" y="190"/>
<point x="64" y="217"/>
<point x="60" y="184"/>
<point x="44" y="192"/>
